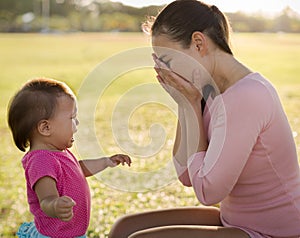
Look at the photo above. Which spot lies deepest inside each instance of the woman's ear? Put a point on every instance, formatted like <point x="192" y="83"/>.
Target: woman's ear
<point x="43" y="128"/>
<point x="199" y="42"/>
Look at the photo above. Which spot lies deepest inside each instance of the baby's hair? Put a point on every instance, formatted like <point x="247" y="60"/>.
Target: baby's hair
<point x="35" y="101"/>
<point x="181" y="18"/>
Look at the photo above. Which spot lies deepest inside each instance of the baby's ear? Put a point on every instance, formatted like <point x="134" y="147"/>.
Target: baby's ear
<point x="43" y="128"/>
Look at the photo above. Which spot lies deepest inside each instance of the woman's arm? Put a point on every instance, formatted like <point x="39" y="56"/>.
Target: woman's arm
<point x="237" y="120"/>
<point x="235" y="126"/>
<point x="196" y="138"/>
<point x="185" y="146"/>
<point x="93" y="166"/>
<point x="190" y="137"/>
<point x="179" y="148"/>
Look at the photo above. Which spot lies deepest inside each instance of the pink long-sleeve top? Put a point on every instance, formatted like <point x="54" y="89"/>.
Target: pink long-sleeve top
<point x="251" y="163"/>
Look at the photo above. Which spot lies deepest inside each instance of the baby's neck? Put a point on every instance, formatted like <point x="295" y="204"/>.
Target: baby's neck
<point x="42" y="146"/>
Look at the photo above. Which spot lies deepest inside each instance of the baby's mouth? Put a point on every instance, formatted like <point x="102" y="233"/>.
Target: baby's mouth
<point x="72" y="139"/>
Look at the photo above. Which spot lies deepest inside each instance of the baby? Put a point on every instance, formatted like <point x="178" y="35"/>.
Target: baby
<point x="43" y="117"/>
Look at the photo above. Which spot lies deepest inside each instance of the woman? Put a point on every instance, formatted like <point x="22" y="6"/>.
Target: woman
<point x="238" y="152"/>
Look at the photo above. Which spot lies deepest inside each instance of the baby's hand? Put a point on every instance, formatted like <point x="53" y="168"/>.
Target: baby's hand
<point x="117" y="159"/>
<point x="63" y="207"/>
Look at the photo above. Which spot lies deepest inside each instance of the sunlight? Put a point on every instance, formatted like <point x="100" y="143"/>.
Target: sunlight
<point x="266" y="6"/>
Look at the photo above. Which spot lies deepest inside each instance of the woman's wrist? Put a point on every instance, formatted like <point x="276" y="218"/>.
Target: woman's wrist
<point x="192" y="106"/>
<point x="194" y="102"/>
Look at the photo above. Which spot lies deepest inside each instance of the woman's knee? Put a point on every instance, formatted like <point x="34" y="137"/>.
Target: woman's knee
<point x="153" y="233"/>
<point x="170" y="232"/>
<point x="119" y="228"/>
<point x="126" y="225"/>
<point x="190" y="231"/>
<point x="132" y="223"/>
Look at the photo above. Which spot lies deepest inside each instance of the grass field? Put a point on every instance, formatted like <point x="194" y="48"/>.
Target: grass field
<point x="71" y="57"/>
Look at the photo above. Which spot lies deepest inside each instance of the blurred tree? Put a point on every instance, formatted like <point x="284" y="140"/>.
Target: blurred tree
<point x="10" y="10"/>
<point x="241" y="22"/>
<point x="103" y="15"/>
<point x="287" y="21"/>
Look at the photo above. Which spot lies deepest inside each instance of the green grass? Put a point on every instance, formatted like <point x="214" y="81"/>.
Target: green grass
<point x="71" y="57"/>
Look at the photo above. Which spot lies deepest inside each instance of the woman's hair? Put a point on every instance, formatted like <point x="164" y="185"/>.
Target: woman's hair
<point x="181" y="18"/>
<point x="36" y="101"/>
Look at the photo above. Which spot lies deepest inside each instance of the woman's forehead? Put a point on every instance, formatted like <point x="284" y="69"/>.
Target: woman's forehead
<point x="165" y="53"/>
<point x="162" y="46"/>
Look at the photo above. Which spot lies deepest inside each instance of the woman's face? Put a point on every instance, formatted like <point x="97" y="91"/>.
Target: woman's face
<point x="186" y="62"/>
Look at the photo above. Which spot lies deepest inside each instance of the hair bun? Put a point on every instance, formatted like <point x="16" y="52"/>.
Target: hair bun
<point x="214" y="8"/>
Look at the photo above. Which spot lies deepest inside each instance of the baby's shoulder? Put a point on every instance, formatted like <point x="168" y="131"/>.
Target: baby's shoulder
<point x="40" y="158"/>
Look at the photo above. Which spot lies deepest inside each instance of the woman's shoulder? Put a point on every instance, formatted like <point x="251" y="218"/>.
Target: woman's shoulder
<point x="253" y="82"/>
<point x="252" y="95"/>
<point x="253" y="88"/>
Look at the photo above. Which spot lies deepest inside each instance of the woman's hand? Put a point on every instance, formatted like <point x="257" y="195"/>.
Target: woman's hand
<point x="180" y="89"/>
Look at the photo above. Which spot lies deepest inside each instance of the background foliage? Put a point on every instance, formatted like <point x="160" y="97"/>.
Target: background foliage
<point x="70" y="58"/>
<point x="103" y="15"/>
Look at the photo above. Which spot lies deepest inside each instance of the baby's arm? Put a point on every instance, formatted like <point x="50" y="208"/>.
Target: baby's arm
<point x="93" y="166"/>
<point x="50" y="202"/>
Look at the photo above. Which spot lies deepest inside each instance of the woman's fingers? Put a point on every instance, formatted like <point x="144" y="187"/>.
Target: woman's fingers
<point x="161" y="77"/>
<point x="170" y="81"/>
<point x="177" y="86"/>
<point x="162" y="83"/>
<point x="173" y="79"/>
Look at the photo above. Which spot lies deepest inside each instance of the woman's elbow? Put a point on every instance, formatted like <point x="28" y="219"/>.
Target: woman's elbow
<point x="185" y="180"/>
<point x="207" y="198"/>
<point x="206" y="202"/>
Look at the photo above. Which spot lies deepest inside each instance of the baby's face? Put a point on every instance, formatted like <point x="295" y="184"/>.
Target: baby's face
<point x="64" y="123"/>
